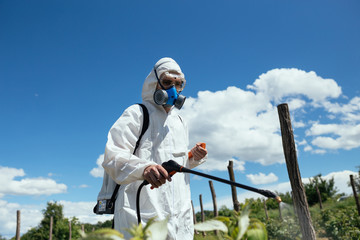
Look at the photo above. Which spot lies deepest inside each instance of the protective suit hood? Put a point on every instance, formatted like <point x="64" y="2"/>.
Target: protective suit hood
<point x="149" y="86"/>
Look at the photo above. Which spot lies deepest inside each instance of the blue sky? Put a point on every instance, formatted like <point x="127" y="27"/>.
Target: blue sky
<point x="69" y="68"/>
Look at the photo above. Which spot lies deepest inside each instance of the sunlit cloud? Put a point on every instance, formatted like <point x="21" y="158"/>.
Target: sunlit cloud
<point x="98" y="171"/>
<point x="27" y="186"/>
<point x="261" y="178"/>
<point x="244" y="124"/>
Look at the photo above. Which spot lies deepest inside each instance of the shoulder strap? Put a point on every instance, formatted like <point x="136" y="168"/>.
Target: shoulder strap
<point x="143" y="130"/>
<point x="144" y="127"/>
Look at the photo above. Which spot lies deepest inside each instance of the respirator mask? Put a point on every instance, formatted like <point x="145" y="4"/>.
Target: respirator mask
<point x="172" y="84"/>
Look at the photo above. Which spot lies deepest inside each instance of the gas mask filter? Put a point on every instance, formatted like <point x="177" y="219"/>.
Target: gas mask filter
<point x="168" y="97"/>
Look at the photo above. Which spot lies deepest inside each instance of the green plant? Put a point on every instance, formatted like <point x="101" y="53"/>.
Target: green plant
<point x="341" y="223"/>
<point x="287" y="229"/>
<point x="237" y="226"/>
<point x="154" y="230"/>
<point x="103" y="234"/>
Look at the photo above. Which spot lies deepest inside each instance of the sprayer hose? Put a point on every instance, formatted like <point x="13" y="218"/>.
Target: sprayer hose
<point x="138" y="201"/>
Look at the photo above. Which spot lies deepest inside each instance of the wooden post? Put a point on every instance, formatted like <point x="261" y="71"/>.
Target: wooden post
<point x="214" y="202"/>
<point x="319" y="196"/>
<point x="233" y="188"/>
<point x="51" y="227"/>
<point x="300" y="201"/>
<point x="202" y="212"/>
<point x="194" y="215"/>
<point x="83" y="228"/>
<point x="18" y="222"/>
<point x="266" y="212"/>
<point x="280" y="214"/>
<point x="213" y="198"/>
<point x="355" y="193"/>
<point x="294" y="208"/>
<point x="70" y="230"/>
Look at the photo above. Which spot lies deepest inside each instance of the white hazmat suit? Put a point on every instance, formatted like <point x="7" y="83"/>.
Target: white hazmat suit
<point x="166" y="138"/>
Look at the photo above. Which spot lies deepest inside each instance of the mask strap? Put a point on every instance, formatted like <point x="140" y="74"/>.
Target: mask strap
<point x="158" y="79"/>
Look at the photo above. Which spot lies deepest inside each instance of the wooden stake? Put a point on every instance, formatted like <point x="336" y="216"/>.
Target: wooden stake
<point x="18" y="222"/>
<point x="300" y="201"/>
<point x="70" y="230"/>
<point x="233" y="188"/>
<point x="51" y="227"/>
<point x="194" y="215"/>
<point x="319" y="196"/>
<point x="202" y="212"/>
<point x="213" y="198"/>
<point x="214" y="202"/>
<point x="355" y="193"/>
<point x="265" y="208"/>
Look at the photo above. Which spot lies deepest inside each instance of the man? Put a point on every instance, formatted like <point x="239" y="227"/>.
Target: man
<point x="166" y="138"/>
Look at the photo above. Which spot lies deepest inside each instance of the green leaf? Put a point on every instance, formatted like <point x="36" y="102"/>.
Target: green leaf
<point x="244" y="222"/>
<point x="256" y="234"/>
<point x="103" y="234"/>
<point x="158" y="230"/>
<point x="211" y="225"/>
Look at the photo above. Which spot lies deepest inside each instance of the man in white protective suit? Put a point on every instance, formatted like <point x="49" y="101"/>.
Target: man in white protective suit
<point x="166" y="138"/>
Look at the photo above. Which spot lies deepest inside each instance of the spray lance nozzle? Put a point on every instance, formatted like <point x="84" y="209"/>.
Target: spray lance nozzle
<point x="172" y="167"/>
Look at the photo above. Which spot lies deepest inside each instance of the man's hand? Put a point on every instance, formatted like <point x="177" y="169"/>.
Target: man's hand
<point x="156" y="175"/>
<point x="199" y="151"/>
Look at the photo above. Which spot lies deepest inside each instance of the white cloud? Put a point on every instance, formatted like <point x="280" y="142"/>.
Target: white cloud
<point x="83" y="211"/>
<point x="213" y="164"/>
<point x="27" y="186"/>
<point x="262" y="178"/>
<point x="30" y="216"/>
<point x="341" y="180"/>
<point x="234" y="124"/>
<point x="99" y="170"/>
<point x="280" y="83"/>
<point x="349" y="111"/>
<point x="308" y="148"/>
<point x="342" y="136"/>
<point x="244" y="125"/>
<point x="296" y="103"/>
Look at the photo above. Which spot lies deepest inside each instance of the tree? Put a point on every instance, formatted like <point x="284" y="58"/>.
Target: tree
<point x="60" y="225"/>
<point x="226" y="212"/>
<point x="327" y="189"/>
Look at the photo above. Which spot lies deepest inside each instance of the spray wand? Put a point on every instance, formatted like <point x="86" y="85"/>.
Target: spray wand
<point x="173" y="167"/>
